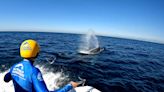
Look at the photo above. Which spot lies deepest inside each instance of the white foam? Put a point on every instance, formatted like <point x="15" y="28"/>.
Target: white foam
<point x="5" y="87"/>
<point x="50" y="78"/>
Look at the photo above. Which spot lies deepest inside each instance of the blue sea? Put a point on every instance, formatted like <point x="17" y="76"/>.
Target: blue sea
<point x="124" y="66"/>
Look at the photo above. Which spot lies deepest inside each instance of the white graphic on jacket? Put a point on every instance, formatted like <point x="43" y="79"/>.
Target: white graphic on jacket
<point x="18" y="71"/>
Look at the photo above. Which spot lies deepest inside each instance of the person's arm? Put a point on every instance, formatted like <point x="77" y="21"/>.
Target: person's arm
<point x="7" y="77"/>
<point x="38" y="82"/>
<point x="40" y="86"/>
<point x="68" y="87"/>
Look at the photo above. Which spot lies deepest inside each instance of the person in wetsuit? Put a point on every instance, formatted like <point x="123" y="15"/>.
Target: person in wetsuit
<point x="25" y="76"/>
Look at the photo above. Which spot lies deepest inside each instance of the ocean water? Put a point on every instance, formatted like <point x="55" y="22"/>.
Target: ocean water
<point x="124" y="66"/>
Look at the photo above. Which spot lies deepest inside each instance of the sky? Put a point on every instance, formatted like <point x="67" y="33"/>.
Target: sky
<point x="136" y="19"/>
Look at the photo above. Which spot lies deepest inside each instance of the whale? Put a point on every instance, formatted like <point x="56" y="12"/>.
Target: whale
<point x="91" y="51"/>
<point x="85" y="89"/>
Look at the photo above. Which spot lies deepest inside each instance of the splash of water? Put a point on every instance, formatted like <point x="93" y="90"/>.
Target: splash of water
<point x="51" y="59"/>
<point x="89" y="41"/>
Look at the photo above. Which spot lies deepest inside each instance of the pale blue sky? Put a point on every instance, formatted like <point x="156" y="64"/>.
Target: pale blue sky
<point x="137" y="19"/>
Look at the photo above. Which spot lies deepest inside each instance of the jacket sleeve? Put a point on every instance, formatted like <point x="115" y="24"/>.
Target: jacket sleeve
<point x="40" y="86"/>
<point x="7" y="77"/>
<point x="38" y="82"/>
<point x="66" y="88"/>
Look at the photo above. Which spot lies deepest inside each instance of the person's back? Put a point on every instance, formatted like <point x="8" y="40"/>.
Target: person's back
<point x="26" y="77"/>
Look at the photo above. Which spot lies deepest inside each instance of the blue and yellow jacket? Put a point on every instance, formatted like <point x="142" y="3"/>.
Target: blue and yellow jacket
<point x="27" y="78"/>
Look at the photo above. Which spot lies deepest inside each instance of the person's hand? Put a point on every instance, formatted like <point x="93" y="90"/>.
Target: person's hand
<point x="74" y="84"/>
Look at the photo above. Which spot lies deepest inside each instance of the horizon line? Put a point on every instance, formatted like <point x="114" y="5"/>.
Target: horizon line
<point x="98" y="34"/>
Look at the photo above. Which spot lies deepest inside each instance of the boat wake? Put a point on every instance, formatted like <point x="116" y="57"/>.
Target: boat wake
<point x="52" y="80"/>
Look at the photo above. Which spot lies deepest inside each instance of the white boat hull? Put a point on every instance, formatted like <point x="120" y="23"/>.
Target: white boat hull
<point x="85" y="89"/>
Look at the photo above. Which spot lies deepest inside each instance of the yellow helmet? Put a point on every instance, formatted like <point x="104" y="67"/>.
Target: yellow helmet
<point x="29" y="49"/>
